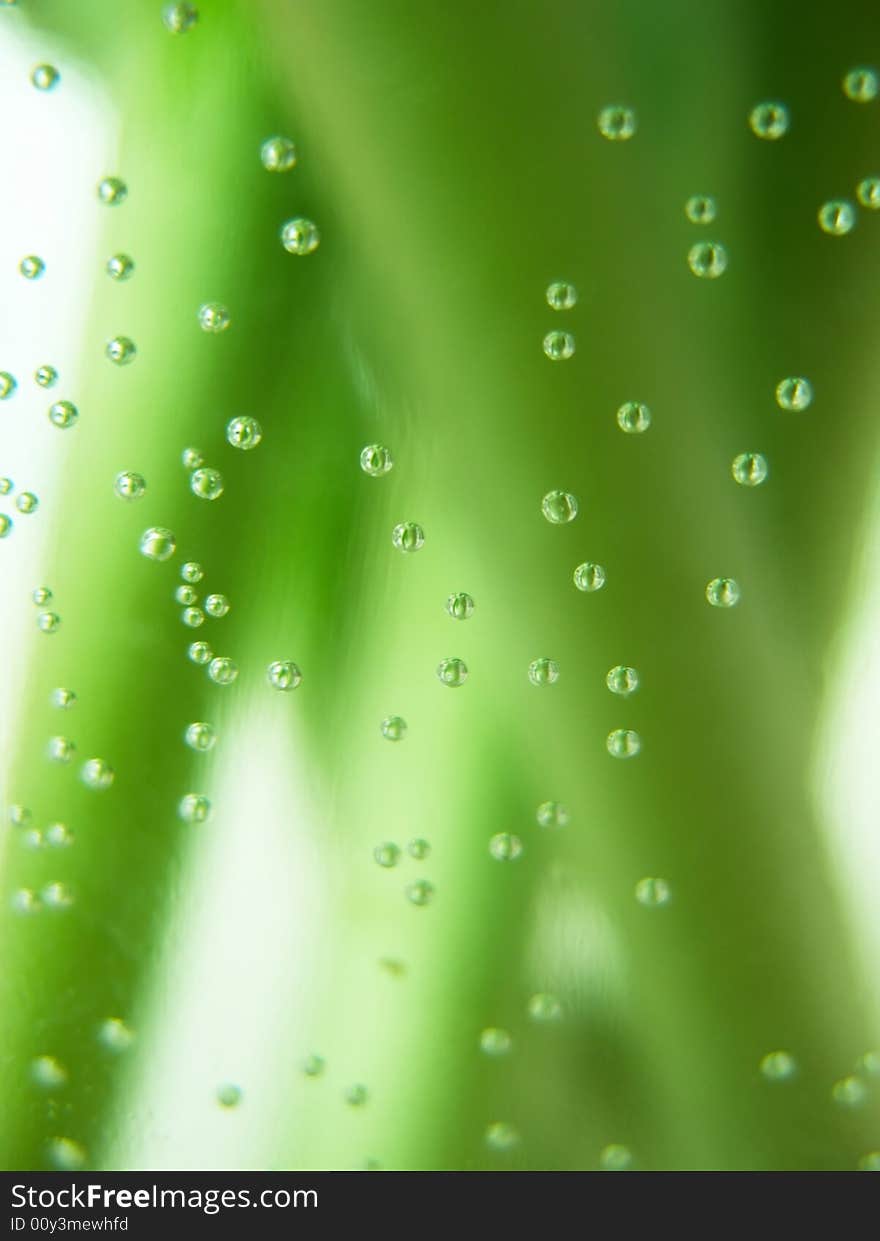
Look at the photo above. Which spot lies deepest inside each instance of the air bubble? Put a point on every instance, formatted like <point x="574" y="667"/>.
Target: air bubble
<point x="495" y="1042"/>
<point x="214" y="317"/>
<point x="778" y="1066"/>
<point x="284" y="674"/>
<point x="452" y="672"/>
<point x="420" y="893"/>
<point x="186" y="596"/>
<point x="45" y="77"/>
<point x="58" y="836"/>
<point x="5" y="526"/>
<point x="552" y="814"/>
<point x="158" y="544"/>
<point x="278" y="154"/>
<point x="56" y="896"/>
<point x="64" y="699"/>
<point x="313" y="1066"/>
<point x="408" y="536"/>
<point x="870" y="1162"/>
<point x="394" y="728"/>
<point x="376" y="460"/>
<point x="217" y="606"/>
<point x="121" y="350"/>
<point x="192" y="617"/>
<point x="868" y="193"/>
<point x="200" y="737"/>
<point x="120" y="267"/>
<point x="622" y="680"/>
<point x="460" y="606"/>
<point x="48" y="1072"/>
<point x="8" y="384"/>
<point x="617" y="123"/>
<point x="191" y="459"/>
<point x="300" y="236"/>
<point x="46" y="376"/>
<point x="387" y="855"/>
<point x="849" y="1092"/>
<point x="501" y="1136"/>
<point x="653" y="893"/>
<point x="115" y="1035"/>
<point x="194" y="808"/>
<point x="356" y="1096"/>
<point x="707" y="259"/>
<point x="19" y="816"/>
<point x="97" y="774"/>
<point x="543" y="671"/>
<point x="244" y="432"/>
<point x="229" y="1095"/>
<point x="65" y="1154"/>
<point x="130" y="486"/>
<point x="505" y="847"/>
<point x="723" y="592"/>
<point x="180" y="17"/>
<point x="634" y="417"/>
<point x="112" y="191"/>
<point x="749" y="469"/>
<point x="559" y="346"/>
<point x="837" y="217"/>
<point x="60" y="749"/>
<point x="544" y="1007"/>
<point x="615" y="1158"/>
<point x="561" y="295"/>
<point x="418" y="849"/>
<point x="623" y="743"/>
<point x="861" y="84"/>
<point x="222" y="671"/>
<point x="26" y="502"/>
<point x="32" y="267"/>
<point x="191" y="572"/>
<point x="559" y="507"/>
<point x="63" y="414"/>
<point x="206" y="483"/>
<point x="769" y="120"/>
<point x="701" y="209"/>
<point x="199" y="653"/>
<point x="794" y="393"/>
<point x="41" y="595"/>
<point x="48" y="622"/>
<point x="589" y="577"/>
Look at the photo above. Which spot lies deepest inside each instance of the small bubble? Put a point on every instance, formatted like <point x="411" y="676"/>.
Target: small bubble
<point x="19" y="816"/>
<point x="870" y="1162"/>
<point x="206" y="483"/>
<point x="552" y="814"/>
<point x="869" y="1063"/>
<point x="192" y="617"/>
<point x="387" y="854"/>
<point x="32" y="267"/>
<point x="300" y="236"/>
<point x="48" y="1072"/>
<point x="622" y="680"/>
<point x="617" y="123"/>
<point x="278" y="154"/>
<point x="48" y="622"/>
<point x="356" y="1096"/>
<point x="460" y="606"/>
<point x="120" y="266"/>
<point x="543" y="671"/>
<point x="418" y="849"/>
<point x="589" y="577"/>
<point x="46" y="376"/>
<point x="313" y="1066"/>
<point x="199" y="653"/>
<point x="56" y="896"/>
<point x="559" y="346"/>
<point x="180" y="17"/>
<point x="495" y="1041"/>
<point x="707" y="259"/>
<point x="868" y="193"/>
<point x="45" y="77"/>
<point x="41" y="595"/>
<point x="452" y="672"/>
<point x="394" y="728"/>
<point x="6" y="485"/>
<point x="200" y="736"/>
<point x="623" y="743"/>
<point x="376" y="460"/>
<point x="634" y="418"/>
<point x="615" y="1158"/>
<point x="194" y="808"/>
<point x="5" y="526"/>
<point x="794" y="393"/>
<point x="58" y="836"/>
<point x="723" y="592"/>
<point x="191" y="572"/>
<point x="65" y="1154"/>
<point x="121" y="350"/>
<point x="559" y="507"/>
<point x="544" y="1007"/>
<point x="701" y="209"/>
<point x="504" y="847"/>
<point x="115" y="1035"/>
<point x="60" y="749"/>
<point x="229" y="1095"/>
<point x="408" y="536"/>
<point x="861" y="84"/>
<point x="778" y="1066"/>
<point x="63" y="414"/>
<point x="25" y="901"/>
<point x="112" y="191"/>
<point x="284" y="674"/>
<point x="191" y="459"/>
<point x="213" y="317"/>
<point x="27" y="502"/>
<point x="420" y="893"/>
<point x="222" y="671"/>
<point x="769" y="120"/>
<point x="186" y="596"/>
<point x="64" y="699"/>
<point x="561" y="295"/>
<point x="8" y="384"/>
<point x="837" y="217"/>
<point x="501" y="1136"/>
<point x="653" y="893"/>
<point x="97" y="774"/>
<point x="129" y="486"/>
<point x="849" y="1092"/>
<point x="244" y="432"/>
<point x="158" y="544"/>
<point x="217" y="606"/>
<point x="750" y="469"/>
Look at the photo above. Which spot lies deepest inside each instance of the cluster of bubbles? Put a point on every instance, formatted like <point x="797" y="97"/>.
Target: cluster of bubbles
<point x="388" y="855"/>
<point x="26" y="503"/>
<point x="559" y="345"/>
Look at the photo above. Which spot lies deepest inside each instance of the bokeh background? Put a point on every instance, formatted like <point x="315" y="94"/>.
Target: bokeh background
<point x="451" y="158"/>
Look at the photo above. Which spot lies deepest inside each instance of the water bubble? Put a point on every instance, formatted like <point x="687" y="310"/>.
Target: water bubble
<point x="217" y="606"/>
<point x="701" y="209"/>
<point x="186" y="596"/>
<point x="120" y="266"/>
<point x="394" y="728"/>
<point x="97" y="774"/>
<point x="559" y="346"/>
<point x="19" y="816"/>
<point x="623" y="743"/>
<point x="56" y="896"/>
<point x="5" y="526"/>
<point x="861" y="84"/>
<point x="452" y="672"/>
<point x="46" y="376"/>
<point x="63" y="414"/>
<point x="376" y="460"/>
<point x="837" y="217"/>
<point x="6" y="485"/>
<point x="8" y="384"/>
<point x="495" y="1041"/>
<point x="129" y="486"/>
<point x="794" y="393"/>
<point x="559" y="507"/>
<point x="408" y="536"/>
<point x="617" y="123"/>
<point x="589" y="577"/>
<point x="180" y="17"/>
<point x="707" y="259"/>
<point x="778" y="1066"/>
<point x="121" y="350"/>
<point x="634" y="417"/>
<point x="750" y="469"/>
<point x="157" y="543"/>
<point x="544" y="1007"/>
<point x="615" y="1158"/>
<point x="27" y="502"/>
<point x="45" y="77"/>
<point x="244" y="432"/>
<point x="41" y="595"/>
<point x="723" y="592"/>
<point x="504" y="847"/>
<point x="200" y="736"/>
<point x="192" y="617"/>
<point x="300" y="236"/>
<point x="278" y="154"/>
<point x="543" y="671"/>
<point x="65" y="1154"/>
<point x="653" y="893"/>
<point x="213" y="317"/>
<point x="561" y="295"/>
<point x="501" y="1136"/>
<point x="229" y="1095"/>
<point x="32" y="267"/>
<point x="284" y="674"/>
<point x="25" y="901"/>
<point x="849" y="1092"/>
<point x="200" y="653"/>
<point x="460" y="606"/>
<point x="869" y="1063"/>
<point x="313" y="1066"/>
<point x="387" y="854"/>
<point x="58" y="836"/>
<point x="870" y="1162"/>
<point x="48" y="1072"/>
<point x="868" y="193"/>
<point x="769" y="120"/>
<point x="115" y="1035"/>
<point x="418" y="849"/>
<point x="194" y="808"/>
<point x="356" y="1096"/>
<point x="63" y="698"/>
<point x="622" y="680"/>
<point x="112" y="191"/>
<point x="552" y="814"/>
<point x="48" y="622"/>
<point x="60" y="749"/>
<point x="191" y="572"/>
<point x="33" y="839"/>
<point x="420" y="893"/>
<point x="222" y="671"/>
<point x="206" y="483"/>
